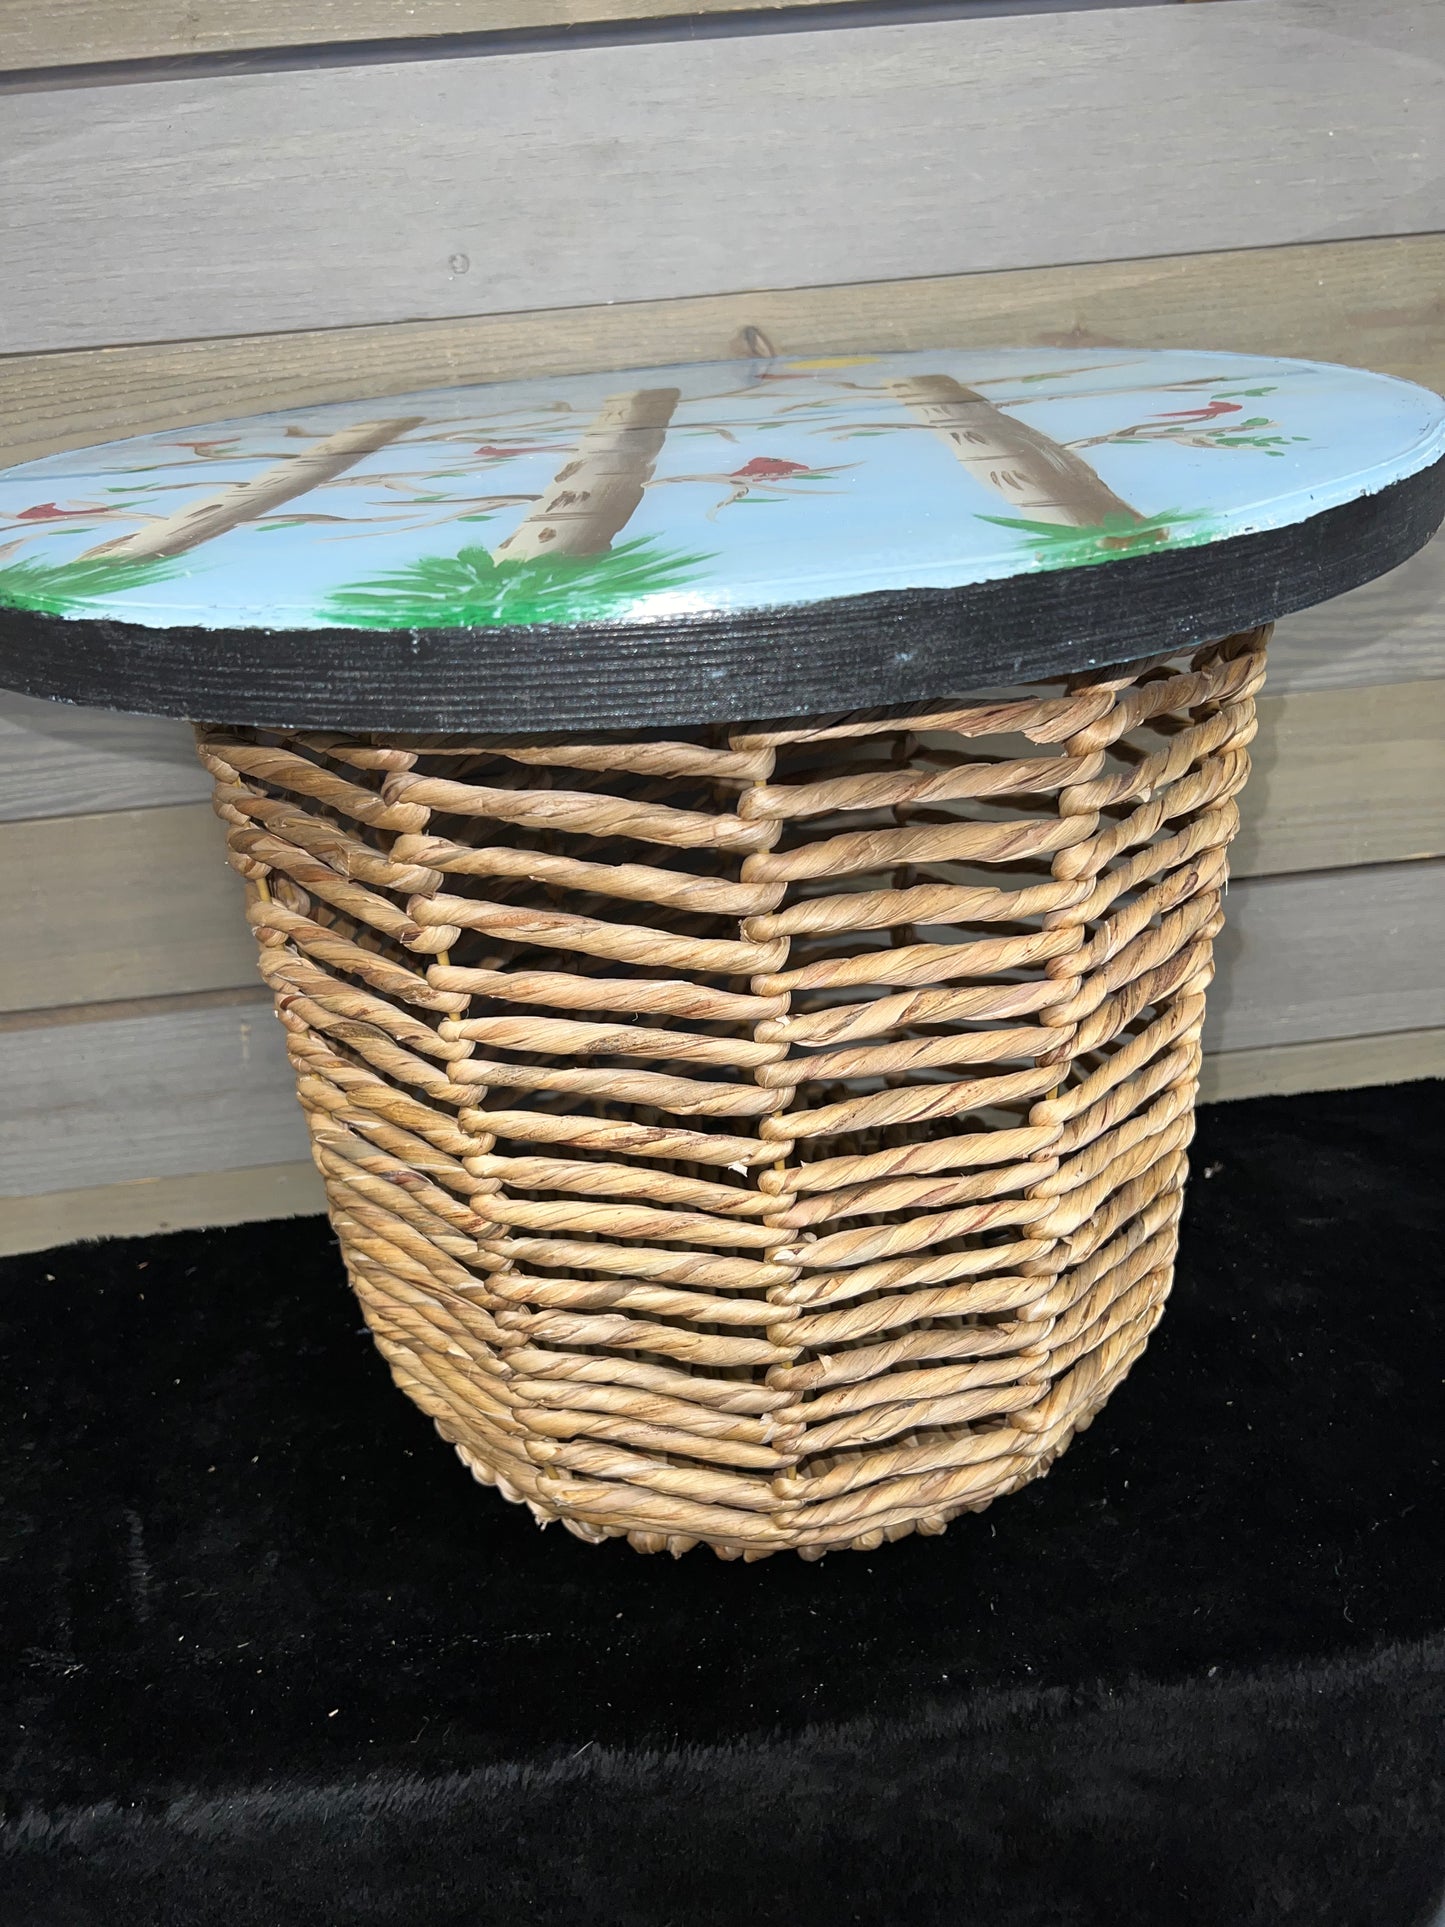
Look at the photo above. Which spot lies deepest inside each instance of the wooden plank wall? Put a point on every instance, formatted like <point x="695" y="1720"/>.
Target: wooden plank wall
<point x="260" y="205"/>
<point x="66" y="33"/>
<point x="752" y="161"/>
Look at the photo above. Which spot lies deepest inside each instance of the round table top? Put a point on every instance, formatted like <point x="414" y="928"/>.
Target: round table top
<point x="733" y="539"/>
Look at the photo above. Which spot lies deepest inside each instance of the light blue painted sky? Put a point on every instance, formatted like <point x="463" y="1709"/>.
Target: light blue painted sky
<point x="902" y="512"/>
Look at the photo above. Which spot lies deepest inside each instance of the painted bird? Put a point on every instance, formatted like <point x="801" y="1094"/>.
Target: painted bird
<point x="767" y="468"/>
<point x="1200" y="414"/>
<point x="52" y="512"/>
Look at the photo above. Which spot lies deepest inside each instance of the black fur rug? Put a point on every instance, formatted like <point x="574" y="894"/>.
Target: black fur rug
<point x="273" y="1660"/>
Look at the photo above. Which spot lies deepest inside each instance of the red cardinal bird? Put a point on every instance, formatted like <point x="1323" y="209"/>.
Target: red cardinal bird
<point x="767" y="468"/>
<point x="1201" y="414"/>
<point x="50" y="512"/>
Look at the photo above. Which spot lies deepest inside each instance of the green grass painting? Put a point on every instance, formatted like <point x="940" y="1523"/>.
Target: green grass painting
<point x="73" y="588"/>
<point x="473" y="589"/>
<point x="1060" y="546"/>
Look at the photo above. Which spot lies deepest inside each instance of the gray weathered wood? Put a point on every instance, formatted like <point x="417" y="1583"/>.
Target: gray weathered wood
<point x="202" y="1084"/>
<point x="1344" y="777"/>
<point x="158" y="1094"/>
<point x="63" y="33"/>
<point x="1334" y="1064"/>
<point x="141" y="903"/>
<point x="1337" y="953"/>
<point x="1390" y="631"/>
<point x="134" y="903"/>
<point x="224" y="1197"/>
<point x="1370" y="303"/>
<point x="57" y="760"/>
<point x="179" y="208"/>
<point x="139" y="1209"/>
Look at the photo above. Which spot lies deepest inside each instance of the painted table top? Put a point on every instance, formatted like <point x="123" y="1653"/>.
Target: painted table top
<point x="767" y="498"/>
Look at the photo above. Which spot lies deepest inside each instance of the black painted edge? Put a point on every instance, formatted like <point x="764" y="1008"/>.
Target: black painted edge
<point x="850" y="653"/>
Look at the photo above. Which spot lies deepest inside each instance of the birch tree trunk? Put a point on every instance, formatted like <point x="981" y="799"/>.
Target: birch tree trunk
<point x="1042" y="479"/>
<point x="593" y="495"/>
<point x="244" y="501"/>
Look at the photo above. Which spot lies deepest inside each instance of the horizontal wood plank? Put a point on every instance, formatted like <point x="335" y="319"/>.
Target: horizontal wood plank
<point x="141" y="903"/>
<point x="204" y="1200"/>
<point x="164" y="1092"/>
<point x="1337" y="953"/>
<point x="146" y="1206"/>
<point x="133" y="903"/>
<point x="1330" y="1064"/>
<point x="1344" y="777"/>
<point x="68" y="33"/>
<point x="273" y="201"/>
<point x="1370" y="303"/>
<point x="110" y="1094"/>
<point x="1390" y="631"/>
<point x="59" y="760"/>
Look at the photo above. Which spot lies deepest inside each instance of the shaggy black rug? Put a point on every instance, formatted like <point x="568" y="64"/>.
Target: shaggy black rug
<point x="273" y="1660"/>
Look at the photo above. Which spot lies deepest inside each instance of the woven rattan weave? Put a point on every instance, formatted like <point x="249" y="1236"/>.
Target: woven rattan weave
<point x="770" y="1136"/>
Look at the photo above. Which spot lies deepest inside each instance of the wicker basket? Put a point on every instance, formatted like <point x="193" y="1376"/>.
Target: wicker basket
<point x="769" y="1136"/>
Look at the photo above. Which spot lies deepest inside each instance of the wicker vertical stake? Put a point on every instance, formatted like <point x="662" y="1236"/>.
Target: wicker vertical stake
<point x="770" y="1136"/>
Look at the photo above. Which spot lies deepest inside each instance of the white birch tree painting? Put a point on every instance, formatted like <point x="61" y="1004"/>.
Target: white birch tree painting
<point x="630" y="502"/>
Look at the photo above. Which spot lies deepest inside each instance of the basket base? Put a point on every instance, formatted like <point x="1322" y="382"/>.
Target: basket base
<point x="517" y="1479"/>
<point x="773" y="1137"/>
<point x="927" y="1524"/>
